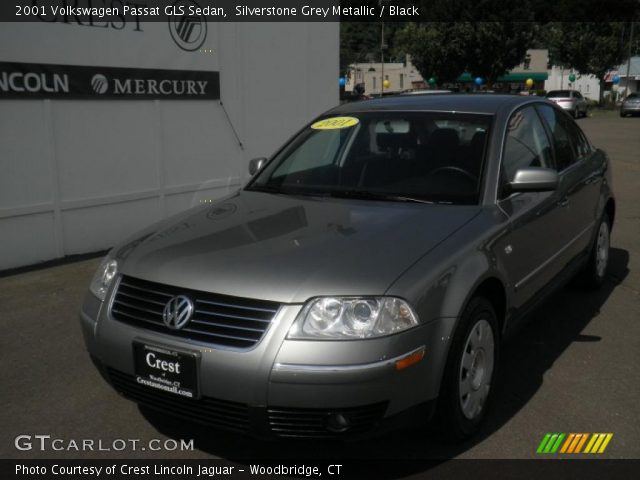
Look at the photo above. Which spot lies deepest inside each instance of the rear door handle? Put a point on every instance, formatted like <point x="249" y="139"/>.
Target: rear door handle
<point x="564" y="202"/>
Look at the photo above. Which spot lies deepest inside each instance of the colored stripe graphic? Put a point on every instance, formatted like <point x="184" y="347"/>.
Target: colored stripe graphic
<point x="543" y="443"/>
<point x="598" y="442"/>
<point x="581" y="443"/>
<point x="573" y="443"/>
<point x="550" y="443"/>
<point x="555" y="447"/>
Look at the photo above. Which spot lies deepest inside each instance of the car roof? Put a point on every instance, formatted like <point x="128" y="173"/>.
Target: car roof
<point x="446" y="102"/>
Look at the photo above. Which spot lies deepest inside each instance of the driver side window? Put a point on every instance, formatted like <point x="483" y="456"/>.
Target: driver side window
<point x="526" y="145"/>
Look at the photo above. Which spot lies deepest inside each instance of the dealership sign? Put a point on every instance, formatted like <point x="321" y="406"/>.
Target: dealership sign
<point x="28" y="80"/>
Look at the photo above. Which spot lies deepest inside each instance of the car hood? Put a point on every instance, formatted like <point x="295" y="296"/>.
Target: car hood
<point x="288" y="249"/>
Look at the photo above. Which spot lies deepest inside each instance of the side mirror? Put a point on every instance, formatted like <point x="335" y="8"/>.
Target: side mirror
<point x="534" y="180"/>
<point x="255" y="164"/>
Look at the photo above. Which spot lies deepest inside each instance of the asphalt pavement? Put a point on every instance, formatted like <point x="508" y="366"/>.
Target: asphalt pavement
<point x="574" y="368"/>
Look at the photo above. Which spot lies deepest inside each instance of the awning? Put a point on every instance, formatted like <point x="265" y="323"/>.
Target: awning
<point x="523" y="77"/>
<point x="510" y="77"/>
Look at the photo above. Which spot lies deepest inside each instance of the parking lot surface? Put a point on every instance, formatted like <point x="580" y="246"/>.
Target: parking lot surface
<point x="574" y="368"/>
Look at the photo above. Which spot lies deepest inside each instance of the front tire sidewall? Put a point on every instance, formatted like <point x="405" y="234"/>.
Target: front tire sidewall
<point x="592" y="278"/>
<point x="456" y="425"/>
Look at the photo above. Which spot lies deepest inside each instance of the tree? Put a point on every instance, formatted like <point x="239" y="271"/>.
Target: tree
<point x="497" y="47"/>
<point x="588" y="47"/>
<point x="445" y="50"/>
<point x="360" y="42"/>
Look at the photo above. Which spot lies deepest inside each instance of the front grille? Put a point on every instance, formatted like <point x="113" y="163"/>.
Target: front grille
<point x="312" y="423"/>
<point x="209" y="411"/>
<point x="217" y="319"/>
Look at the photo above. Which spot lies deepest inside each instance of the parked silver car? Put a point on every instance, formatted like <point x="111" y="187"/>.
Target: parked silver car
<point x="630" y="105"/>
<point x="570" y="100"/>
<point x="365" y="277"/>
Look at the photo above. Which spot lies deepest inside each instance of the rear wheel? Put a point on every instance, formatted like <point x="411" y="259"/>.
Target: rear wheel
<point x="596" y="268"/>
<point x="470" y="371"/>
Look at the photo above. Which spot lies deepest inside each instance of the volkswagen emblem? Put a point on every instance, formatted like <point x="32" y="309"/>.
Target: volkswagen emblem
<point x="177" y="312"/>
<point x="188" y="31"/>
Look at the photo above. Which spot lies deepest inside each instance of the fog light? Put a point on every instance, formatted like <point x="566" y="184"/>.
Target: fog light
<point x="338" y="423"/>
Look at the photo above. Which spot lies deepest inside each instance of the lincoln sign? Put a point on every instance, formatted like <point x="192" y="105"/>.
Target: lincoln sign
<point x="26" y="80"/>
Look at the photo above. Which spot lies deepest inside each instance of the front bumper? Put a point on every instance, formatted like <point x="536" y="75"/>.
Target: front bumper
<point x="284" y="388"/>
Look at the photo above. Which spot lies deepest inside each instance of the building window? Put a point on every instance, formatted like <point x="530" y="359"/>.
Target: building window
<point x="401" y="81"/>
<point x="587" y="88"/>
<point x="527" y="62"/>
<point x="374" y="83"/>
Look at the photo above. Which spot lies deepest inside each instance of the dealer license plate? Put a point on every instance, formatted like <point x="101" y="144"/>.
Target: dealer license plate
<point x="166" y="369"/>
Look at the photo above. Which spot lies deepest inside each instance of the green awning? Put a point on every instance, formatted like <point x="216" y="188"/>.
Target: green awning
<point x="523" y="76"/>
<point x="510" y="77"/>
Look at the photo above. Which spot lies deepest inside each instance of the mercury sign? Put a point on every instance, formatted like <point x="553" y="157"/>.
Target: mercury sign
<point x="59" y="57"/>
<point x="20" y="80"/>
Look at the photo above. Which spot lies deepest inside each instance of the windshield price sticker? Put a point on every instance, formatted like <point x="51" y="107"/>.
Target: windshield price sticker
<point x="335" y="122"/>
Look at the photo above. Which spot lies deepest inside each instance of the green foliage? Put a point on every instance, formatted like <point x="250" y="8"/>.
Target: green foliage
<point x="487" y="49"/>
<point x="588" y="47"/>
<point x="360" y="42"/>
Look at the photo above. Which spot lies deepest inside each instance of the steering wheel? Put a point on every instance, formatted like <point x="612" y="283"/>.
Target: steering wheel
<point x="455" y="170"/>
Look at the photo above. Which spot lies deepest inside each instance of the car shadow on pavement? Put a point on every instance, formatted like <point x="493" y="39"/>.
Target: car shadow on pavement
<point x="551" y="329"/>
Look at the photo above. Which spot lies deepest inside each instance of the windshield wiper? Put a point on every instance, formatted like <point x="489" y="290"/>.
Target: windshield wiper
<point x="265" y="188"/>
<point x="283" y="190"/>
<point x="368" y="195"/>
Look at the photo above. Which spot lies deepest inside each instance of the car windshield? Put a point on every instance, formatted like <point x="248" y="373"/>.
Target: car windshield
<point x="393" y="156"/>
<point x="559" y="94"/>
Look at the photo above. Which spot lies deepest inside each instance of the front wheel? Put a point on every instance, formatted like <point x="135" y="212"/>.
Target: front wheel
<point x="596" y="268"/>
<point x="470" y="370"/>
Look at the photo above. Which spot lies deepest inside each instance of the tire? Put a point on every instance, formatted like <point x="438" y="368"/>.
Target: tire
<point x="596" y="269"/>
<point x="576" y="113"/>
<point x="470" y="371"/>
<point x="622" y="114"/>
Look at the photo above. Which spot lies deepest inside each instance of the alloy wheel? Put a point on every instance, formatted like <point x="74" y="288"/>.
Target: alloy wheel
<point x="476" y="369"/>
<point x="602" y="249"/>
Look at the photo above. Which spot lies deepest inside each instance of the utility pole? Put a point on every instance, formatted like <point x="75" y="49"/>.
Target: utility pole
<point x="626" y="88"/>
<point x="381" y="4"/>
<point x="382" y="57"/>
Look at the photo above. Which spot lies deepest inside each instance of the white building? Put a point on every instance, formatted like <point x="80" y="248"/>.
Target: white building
<point x="105" y="130"/>
<point x="559" y="79"/>
<point x="628" y="84"/>
<point x="401" y="76"/>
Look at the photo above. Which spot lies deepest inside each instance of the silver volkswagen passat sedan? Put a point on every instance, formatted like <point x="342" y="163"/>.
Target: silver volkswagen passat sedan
<point x="366" y="275"/>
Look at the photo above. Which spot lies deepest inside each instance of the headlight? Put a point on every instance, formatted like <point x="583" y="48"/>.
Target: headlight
<point x="103" y="277"/>
<point x="352" y="317"/>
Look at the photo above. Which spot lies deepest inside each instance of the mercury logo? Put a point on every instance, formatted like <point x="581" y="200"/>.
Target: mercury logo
<point x="188" y="31"/>
<point x="99" y="83"/>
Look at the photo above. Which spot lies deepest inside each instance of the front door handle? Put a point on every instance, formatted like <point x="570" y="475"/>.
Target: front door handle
<point x="564" y="202"/>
